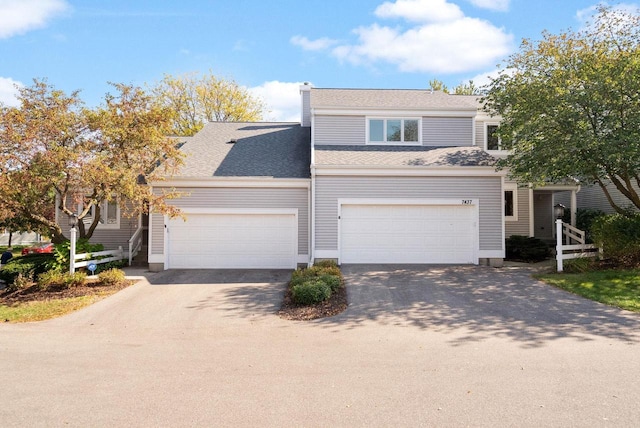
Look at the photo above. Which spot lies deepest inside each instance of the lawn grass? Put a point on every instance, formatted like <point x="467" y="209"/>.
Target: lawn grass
<point x="46" y="309"/>
<point x="619" y="288"/>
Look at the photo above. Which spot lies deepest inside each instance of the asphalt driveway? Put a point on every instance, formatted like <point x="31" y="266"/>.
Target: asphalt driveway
<point x="437" y="346"/>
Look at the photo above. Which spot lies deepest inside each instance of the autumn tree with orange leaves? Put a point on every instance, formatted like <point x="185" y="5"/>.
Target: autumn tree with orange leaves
<point x="56" y="152"/>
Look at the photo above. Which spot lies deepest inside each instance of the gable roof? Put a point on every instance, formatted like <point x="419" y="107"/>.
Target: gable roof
<point x="261" y="149"/>
<point x="414" y="99"/>
<point x="400" y="156"/>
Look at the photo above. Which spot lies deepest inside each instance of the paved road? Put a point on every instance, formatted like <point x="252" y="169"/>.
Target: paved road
<point x="443" y="346"/>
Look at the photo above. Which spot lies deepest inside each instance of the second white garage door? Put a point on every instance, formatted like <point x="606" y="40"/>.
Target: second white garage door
<point x="408" y="234"/>
<point x="226" y="241"/>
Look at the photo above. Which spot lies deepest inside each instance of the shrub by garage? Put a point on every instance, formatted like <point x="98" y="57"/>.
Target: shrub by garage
<point x="313" y="285"/>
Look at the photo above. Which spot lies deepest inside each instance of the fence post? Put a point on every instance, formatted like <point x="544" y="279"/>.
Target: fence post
<point x="72" y="251"/>
<point x="559" y="245"/>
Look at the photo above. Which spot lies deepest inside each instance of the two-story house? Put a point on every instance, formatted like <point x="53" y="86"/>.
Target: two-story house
<point x="368" y="176"/>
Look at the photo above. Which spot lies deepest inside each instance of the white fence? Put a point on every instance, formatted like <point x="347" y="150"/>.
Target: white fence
<point x="572" y="251"/>
<point x="99" y="257"/>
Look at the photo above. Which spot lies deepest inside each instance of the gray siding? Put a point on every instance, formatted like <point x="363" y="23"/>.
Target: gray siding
<point x="447" y="131"/>
<point x="485" y="189"/>
<point x="156" y="238"/>
<point x="110" y="238"/>
<point x="238" y="198"/>
<point x="348" y="130"/>
<point x="593" y="197"/>
<point x="480" y="134"/>
<point x="520" y="227"/>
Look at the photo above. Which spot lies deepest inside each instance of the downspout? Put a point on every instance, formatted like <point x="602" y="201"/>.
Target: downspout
<point x="312" y="203"/>
<point x="312" y="220"/>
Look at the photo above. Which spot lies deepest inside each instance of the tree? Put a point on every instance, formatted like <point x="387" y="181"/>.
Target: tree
<point x="438" y="85"/>
<point x="53" y="150"/>
<point x="194" y="100"/>
<point x="570" y="106"/>
<point x="468" y="88"/>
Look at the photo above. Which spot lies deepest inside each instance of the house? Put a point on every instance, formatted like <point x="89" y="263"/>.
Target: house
<point x="367" y="176"/>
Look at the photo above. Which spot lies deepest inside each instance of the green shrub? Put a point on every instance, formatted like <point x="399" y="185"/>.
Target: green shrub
<point x="76" y="279"/>
<point x="325" y="270"/>
<point x="111" y="277"/>
<point x="21" y="281"/>
<point x="311" y="292"/>
<point x="526" y="249"/>
<point x="117" y="264"/>
<point x="28" y="266"/>
<point x="584" y="220"/>
<point x="333" y="281"/>
<point x="619" y="236"/>
<point x="328" y="263"/>
<point x="50" y="278"/>
<point x="55" y="278"/>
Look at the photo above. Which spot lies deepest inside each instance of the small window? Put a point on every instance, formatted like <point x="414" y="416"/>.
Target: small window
<point x="394" y="131"/>
<point x="109" y="213"/>
<point x="492" y="139"/>
<point x="510" y="203"/>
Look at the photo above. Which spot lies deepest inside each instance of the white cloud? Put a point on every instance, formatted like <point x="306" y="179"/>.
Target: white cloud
<point x="438" y="38"/>
<point x="446" y="47"/>
<point x="585" y="15"/>
<point x="420" y="10"/>
<point x="282" y="100"/>
<point x="482" y="79"/>
<point x="312" y="45"/>
<point x="8" y="91"/>
<point x="500" y="5"/>
<point x="20" y="16"/>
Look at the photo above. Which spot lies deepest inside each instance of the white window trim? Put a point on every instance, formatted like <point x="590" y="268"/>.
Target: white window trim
<point x="393" y="143"/>
<point x="511" y="187"/>
<point x="486" y="138"/>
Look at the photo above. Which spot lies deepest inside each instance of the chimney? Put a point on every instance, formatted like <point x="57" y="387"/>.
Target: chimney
<point x="305" y="95"/>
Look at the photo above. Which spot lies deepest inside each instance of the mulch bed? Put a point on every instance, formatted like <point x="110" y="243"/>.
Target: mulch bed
<point x="33" y="293"/>
<point x="336" y="304"/>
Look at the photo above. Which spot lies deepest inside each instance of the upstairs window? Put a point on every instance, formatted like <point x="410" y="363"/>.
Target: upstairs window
<point x="492" y="141"/>
<point x="394" y="131"/>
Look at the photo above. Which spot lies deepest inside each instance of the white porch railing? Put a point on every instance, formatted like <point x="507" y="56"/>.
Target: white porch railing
<point x="572" y="251"/>
<point x="99" y="257"/>
<point x="135" y="243"/>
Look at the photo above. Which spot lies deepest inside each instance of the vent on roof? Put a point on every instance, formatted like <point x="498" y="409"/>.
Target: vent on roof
<point x="232" y="141"/>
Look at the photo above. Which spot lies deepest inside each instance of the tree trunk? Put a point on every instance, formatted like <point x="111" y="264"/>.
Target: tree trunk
<point x="10" y="236"/>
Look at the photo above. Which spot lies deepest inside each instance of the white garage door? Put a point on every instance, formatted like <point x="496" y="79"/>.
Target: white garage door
<point x="225" y="241"/>
<point x="408" y="234"/>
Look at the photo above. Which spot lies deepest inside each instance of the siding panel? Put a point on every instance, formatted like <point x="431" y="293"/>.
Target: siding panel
<point x="520" y="227"/>
<point x="485" y="189"/>
<point x="340" y="130"/>
<point x="239" y="198"/>
<point x="447" y="131"/>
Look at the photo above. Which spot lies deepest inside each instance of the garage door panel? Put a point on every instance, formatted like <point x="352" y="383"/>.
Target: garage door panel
<point x="407" y="234"/>
<point x="233" y="241"/>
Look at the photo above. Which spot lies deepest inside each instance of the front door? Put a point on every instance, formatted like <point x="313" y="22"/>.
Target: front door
<point x="543" y="215"/>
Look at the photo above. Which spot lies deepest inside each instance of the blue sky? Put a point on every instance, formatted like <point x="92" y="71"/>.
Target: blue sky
<point x="270" y="47"/>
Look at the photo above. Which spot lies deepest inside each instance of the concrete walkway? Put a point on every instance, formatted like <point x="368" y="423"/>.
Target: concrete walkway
<point x="443" y="346"/>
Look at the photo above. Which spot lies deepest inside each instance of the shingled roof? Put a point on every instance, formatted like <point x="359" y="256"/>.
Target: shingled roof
<point x="418" y="156"/>
<point x="413" y="99"/>
<point x="248" y="149"/>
